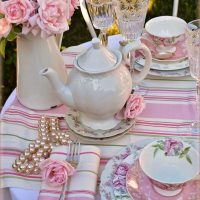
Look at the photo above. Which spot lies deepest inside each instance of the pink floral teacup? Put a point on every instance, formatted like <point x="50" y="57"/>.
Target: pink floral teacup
<point x="169" y="164"/>
<point x="164" y="33"/>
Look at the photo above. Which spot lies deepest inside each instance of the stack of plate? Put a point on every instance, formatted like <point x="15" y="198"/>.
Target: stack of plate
<point x="175" y="66"/>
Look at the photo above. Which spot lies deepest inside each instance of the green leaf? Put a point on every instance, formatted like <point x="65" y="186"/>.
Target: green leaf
<point x="155" y="151"/>
<point x="161" y="142"/>
<point x="160" y="146"/>
<point x="11" y="36"/>
<point x="155" y="145"/>
<point x="2" y="47"/>
<point x="184" y="152"/>
<point x="188" y="159"/>
<point x="2" y="15"/>
<point x="17" y="29"/>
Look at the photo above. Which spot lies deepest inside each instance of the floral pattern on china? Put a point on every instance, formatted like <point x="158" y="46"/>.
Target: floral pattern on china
<point x="44" y="17"/>
<point x="172" y="147"/>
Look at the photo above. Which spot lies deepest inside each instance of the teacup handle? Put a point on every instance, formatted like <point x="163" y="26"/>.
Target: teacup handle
<point x="137" y="45"/>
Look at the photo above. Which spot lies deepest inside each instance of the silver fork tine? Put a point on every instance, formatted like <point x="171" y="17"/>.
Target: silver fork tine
<point x="73" y="158"/>
<point x="79" y="150"/>
<point x="73" y="151"/>
<point x="76" y="152"/>
<point x="69" y="151"/>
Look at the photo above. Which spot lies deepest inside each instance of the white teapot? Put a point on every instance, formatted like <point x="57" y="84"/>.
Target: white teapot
<point x="99" y="84"/>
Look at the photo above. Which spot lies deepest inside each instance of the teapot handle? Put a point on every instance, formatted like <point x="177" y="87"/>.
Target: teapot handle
<point x="87" y="18"/>
<point x="137" y="45"/>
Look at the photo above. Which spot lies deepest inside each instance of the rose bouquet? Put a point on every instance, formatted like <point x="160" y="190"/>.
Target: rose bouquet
<point x="44" y="17"/>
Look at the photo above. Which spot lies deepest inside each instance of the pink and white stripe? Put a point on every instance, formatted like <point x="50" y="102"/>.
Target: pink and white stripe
<point x="169" y="106"/>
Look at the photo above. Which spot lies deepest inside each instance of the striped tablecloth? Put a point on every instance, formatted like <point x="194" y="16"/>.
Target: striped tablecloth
<point x="170" y="105"/>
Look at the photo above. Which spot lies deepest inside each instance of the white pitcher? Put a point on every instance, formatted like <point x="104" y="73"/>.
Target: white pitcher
<point x="33" y="54"/>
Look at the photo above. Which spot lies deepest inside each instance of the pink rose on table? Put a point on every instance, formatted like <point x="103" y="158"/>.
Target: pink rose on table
<point x="55" y="172"/>
<point x="172" y="147"/>
<point x="133" y="107"/>
<point x="52" y="16"/>
<point x="5" y="27"/>
<point x="17" y="11"/>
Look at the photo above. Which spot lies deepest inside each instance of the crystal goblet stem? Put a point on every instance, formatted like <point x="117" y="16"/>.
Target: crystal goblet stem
<point x="104" y="37"/>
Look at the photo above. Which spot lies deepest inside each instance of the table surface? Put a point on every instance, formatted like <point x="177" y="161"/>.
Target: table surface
<point x="170" y="104"/>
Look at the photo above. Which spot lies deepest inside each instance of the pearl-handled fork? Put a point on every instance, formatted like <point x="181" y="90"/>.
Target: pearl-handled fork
<point x="73" y="157"/>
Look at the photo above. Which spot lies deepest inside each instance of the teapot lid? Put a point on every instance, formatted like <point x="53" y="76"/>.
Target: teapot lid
<point x="97" y="58"/>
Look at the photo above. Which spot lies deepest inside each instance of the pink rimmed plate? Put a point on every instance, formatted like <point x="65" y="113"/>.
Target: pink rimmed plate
<point x="139" y="187"/>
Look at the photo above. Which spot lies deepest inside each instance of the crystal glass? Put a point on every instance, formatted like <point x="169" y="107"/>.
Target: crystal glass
<point x="131" y="16"/>
<point x="193" y="48"/>
<point x="102" y="15"/>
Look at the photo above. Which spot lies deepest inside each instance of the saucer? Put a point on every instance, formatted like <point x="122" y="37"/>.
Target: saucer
<point x="139" y="186"/>
<point x="168" y="73"/>
<point x="73" y="121"/>
<point x="180" y="53"/>
<point x="164" y="66"/>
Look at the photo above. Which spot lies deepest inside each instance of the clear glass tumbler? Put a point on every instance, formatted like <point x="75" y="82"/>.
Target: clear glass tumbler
<point x="193" y="48"/>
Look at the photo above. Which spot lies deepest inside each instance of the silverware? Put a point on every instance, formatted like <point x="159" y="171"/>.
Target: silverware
<point x="73" y="157"/>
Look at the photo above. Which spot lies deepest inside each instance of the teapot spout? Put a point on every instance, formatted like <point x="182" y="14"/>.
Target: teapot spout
<point x="62" y="91"/>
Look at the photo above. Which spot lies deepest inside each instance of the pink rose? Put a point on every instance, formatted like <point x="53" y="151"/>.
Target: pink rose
<point x="133" y="107"/>
<point x="55" y="172"/>
<point x="74" y="5"/>
<point x="119" y="181"/>
<point x="17" y="11"/>
<point x="52" y="16"/>
<point x="172" y="147"/>
<point x="5" y="27"/>
<point x="122" y="169"/>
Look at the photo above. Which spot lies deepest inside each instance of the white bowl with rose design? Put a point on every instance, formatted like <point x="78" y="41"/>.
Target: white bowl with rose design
<point x="168" y="174"/>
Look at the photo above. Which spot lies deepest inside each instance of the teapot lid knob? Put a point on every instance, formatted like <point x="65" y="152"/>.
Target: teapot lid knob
<point x="96" y="43"/>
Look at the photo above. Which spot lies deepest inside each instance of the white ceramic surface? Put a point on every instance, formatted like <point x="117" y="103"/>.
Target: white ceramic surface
<point x="98" y="94"/>
<point x="166" y="65"/>
<point x="33" y="54"/>
<point x="168" y="173"/>
<point x="167" y="73"/>
<point x="166" y="26"/>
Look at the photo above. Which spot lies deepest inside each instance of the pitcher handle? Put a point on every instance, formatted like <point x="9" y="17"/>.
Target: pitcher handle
<point x="59" y="38"/>
<point x="137" y="45"/>
<point x="87" y="18"/>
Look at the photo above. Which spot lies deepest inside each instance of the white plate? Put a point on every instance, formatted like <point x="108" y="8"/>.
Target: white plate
<point x="73" y="121"/>
<point x="165" y="66"/>
<point x="161" y="73"/>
